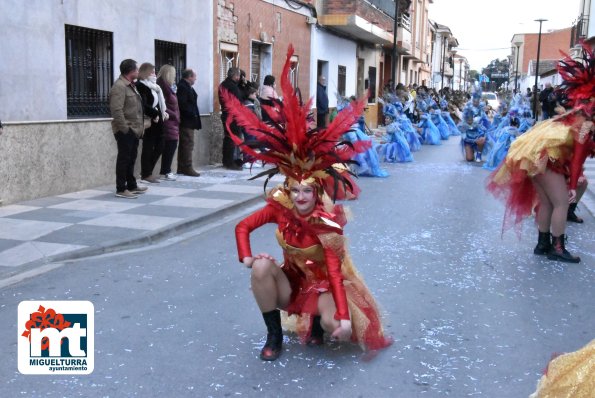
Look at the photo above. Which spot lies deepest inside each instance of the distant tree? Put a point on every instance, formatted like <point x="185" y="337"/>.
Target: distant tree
<point x="497" y="71"/>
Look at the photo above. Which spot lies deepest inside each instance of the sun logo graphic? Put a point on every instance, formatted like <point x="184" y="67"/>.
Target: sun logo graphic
<point x="56" y="337"/>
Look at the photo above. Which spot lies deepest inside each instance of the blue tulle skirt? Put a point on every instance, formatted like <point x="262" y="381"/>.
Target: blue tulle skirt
<point x="499" y="150"/>
<point x="369" y="164"/>
<point x="452" y="126"/>
<point x="430" y="134"/>
<point x="410" y="135"/>
<point x="396" y="151"/>
<point x="442" y="127"/>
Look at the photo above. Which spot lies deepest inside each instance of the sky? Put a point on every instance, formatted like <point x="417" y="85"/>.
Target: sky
<point x="484" y="29"/>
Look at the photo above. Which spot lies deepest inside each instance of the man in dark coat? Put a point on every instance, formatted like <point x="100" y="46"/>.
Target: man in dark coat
<point x="548" y="101"/>
<point x="189" y="121"/>
<point x="321" y="102"/>
<point x="231" y="156"/>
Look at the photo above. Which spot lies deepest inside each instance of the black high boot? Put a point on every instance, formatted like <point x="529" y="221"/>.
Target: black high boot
<point x="544" y="243"/>
<point x="572" y="217"/>
<point x="558" y="251"/>
<point x="317" y="333"/>
<point x="273" y="346"/>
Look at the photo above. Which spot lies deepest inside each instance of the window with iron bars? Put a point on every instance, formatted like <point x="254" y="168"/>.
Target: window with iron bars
<point x="89" y="75"/>
<point x="294" y="68"/>
<point x="170" y="53"/>
<point x="228" y="60"/>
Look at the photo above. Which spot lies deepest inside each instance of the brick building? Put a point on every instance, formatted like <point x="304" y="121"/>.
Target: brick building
<point x="526" y="44"/>
<point x="254" y="35"/>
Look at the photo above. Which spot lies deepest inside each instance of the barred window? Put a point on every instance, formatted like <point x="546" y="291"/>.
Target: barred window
<point x="341" y="79"/>
<point x="294" y="71"/>
<point x="170" y="53"/>
<point x="89" y="72"/>
<point x="228" y="60"/>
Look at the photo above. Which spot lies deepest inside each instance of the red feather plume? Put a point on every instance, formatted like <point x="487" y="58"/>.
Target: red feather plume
<point x="288" y="142"/>
<point x="578" y="77"/>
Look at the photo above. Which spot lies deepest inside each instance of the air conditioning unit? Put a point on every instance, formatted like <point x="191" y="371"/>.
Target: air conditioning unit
<point x="311" y="20"/>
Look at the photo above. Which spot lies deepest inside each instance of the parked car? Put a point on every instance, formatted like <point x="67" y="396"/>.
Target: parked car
<point x="491" y="99"/>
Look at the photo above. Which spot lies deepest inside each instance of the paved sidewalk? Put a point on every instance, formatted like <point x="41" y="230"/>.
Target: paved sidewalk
<point x="94" y="221"/>
<point x="588" y="200"/>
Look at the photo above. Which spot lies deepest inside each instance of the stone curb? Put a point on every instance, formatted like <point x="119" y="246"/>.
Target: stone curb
<point x="144" y="239"/>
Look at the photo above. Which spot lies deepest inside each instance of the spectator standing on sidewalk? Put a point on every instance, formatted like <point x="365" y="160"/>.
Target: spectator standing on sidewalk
<point x="548" y="101"/>
<point x="243" y="85"/>
<point x="232" y="158"/>
<point x="269" y="97"/>
<point x="321" y="102"/>
<point x="171" y="127"/>
<point x="127" y="125"/>
<point x="155" y="114"/>
<point x="189" y="121"/>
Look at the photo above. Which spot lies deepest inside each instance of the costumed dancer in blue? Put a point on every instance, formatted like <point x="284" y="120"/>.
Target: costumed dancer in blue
<point x="394" y="147"/>
<point x="368" y="162"/>
<point x="405" y="124"/>
<point x="452" y="126"/>
<point x="506" y="136"/>
<point x="472" y="136"/>
<point x="439" y="121"/>
<point x="527" y="120"/>
<point x="501" y="120"/>
<point x="429" y="132"/>
<point x="478" y="108"/>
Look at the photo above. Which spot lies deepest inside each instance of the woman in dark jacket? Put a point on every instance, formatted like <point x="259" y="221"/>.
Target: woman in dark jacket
<point x="154" y="110"/>
<point x="171" y="127"/>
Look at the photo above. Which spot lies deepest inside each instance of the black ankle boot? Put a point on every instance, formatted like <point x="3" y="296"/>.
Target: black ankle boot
<point x="272" y="347"/>
<point x="544" y="244"/>
<point x="571" y="216"/>
<point x="317" y="333"/>
<point x="558" y="251"/>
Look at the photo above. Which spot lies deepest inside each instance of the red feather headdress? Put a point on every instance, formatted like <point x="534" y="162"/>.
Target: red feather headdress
<point x="296" y="150"/>
<point x="578" y="77"/>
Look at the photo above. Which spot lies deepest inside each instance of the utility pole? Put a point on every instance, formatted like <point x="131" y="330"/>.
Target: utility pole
<point x="535" y="98"/>
<point x="394" y="55"/>
<point x="516" y="73"/>
<point x="443" y="55"/>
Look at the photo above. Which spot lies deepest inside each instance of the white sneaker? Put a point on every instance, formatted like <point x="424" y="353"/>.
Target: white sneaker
<point x="168" y="177"/>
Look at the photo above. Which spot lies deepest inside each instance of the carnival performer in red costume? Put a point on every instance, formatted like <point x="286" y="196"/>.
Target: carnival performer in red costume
<point x="544" y="165"/>
<point x="316" y="281"/>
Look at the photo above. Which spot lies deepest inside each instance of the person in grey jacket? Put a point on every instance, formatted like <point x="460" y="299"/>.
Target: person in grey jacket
<point x="127" y="125"/>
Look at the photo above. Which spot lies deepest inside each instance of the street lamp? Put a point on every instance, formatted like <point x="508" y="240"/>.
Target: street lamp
<point x="516" y="70"/>
<point x="452" y="79"/>
<point x="541" y="20"/>
<point x="443" y="56"/>
<point x="394" y="53"/>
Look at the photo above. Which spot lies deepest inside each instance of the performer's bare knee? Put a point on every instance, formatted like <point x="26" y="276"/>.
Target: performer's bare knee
<point x="261" y="268"/>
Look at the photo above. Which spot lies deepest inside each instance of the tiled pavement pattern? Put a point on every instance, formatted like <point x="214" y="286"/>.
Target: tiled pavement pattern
<point x="94" y="220"/>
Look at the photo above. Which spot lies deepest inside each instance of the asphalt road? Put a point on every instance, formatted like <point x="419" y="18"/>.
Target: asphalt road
<point x="471" y="313"/>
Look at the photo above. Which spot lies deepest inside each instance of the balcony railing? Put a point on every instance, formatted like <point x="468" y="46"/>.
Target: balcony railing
<point x="405" y="21"/>
<point x="579" y="30"/>
<point x="386" y="6"/>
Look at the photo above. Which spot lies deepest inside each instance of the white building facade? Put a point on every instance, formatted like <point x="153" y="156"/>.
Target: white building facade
<point x="59" y="60"/>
